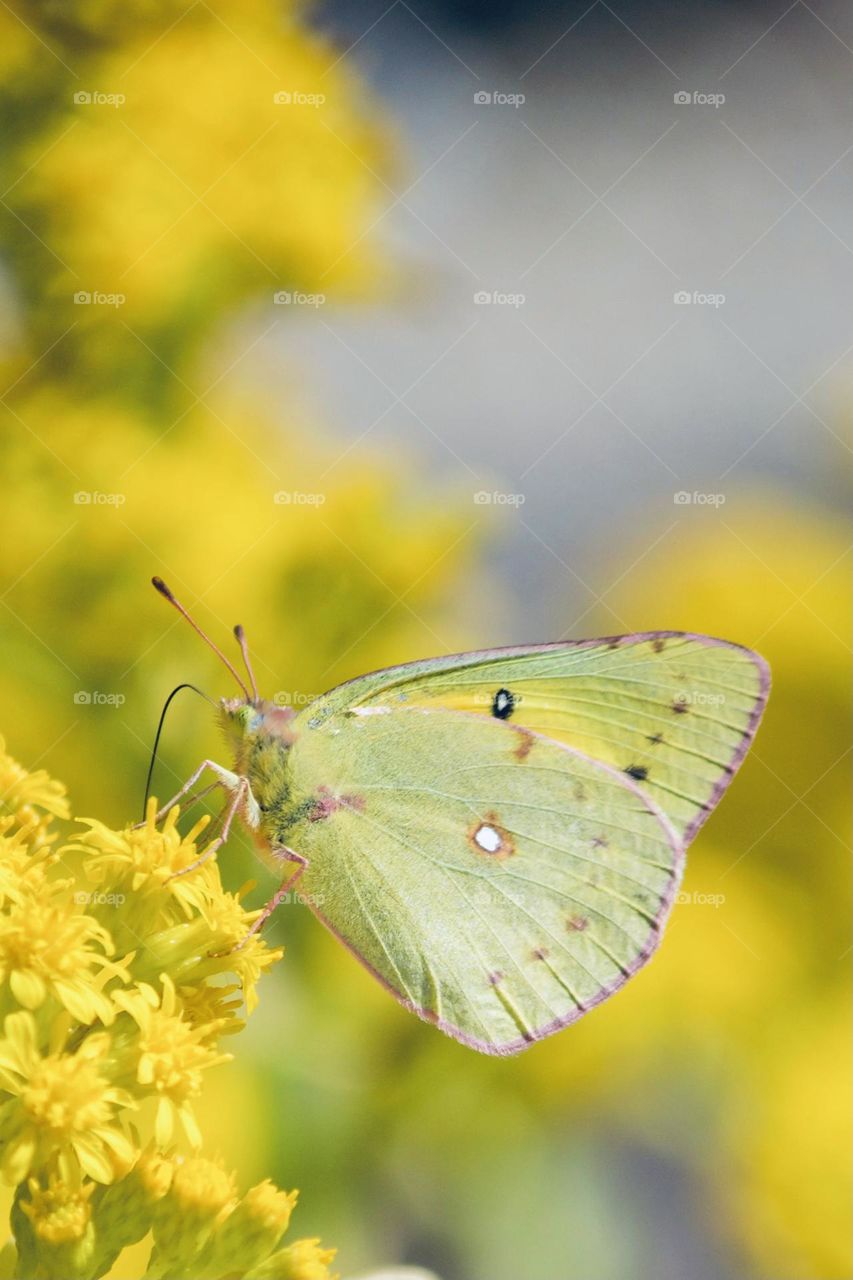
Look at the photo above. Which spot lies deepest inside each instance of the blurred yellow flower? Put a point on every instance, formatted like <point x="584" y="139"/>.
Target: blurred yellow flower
<point x="302" y="1260"/>
<point x="78" y="1074"/>
<point x="31" y="798"/>
<point x="60" y="1212"/>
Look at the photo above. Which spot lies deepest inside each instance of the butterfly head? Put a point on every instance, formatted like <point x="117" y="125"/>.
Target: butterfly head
<point x="254" y="724"/>
<point x="249" y="721"/>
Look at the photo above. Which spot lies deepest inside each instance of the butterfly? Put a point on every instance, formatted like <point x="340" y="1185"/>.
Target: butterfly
<point x="498" y="836"/>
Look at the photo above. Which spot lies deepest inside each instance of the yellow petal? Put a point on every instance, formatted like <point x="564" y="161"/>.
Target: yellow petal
<point x="27" y="988"/>
<point x="164" y="1124"/>
<point x="94" y="1160"/>
<point x="18" y="1157"/>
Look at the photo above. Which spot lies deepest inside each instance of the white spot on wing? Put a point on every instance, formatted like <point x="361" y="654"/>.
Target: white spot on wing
<point x="487" y="838"/>
<point x="371" y="711"/>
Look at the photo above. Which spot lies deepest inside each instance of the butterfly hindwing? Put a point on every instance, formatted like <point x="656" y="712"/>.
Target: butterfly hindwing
<point x="674" y="711"/>
<point x="498" y="883"/>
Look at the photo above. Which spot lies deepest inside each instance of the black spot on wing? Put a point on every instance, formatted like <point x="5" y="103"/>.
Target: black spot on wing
<point x="637" y="771"/>
<point x="503" y="704"/>
<point x="654" y="738"/>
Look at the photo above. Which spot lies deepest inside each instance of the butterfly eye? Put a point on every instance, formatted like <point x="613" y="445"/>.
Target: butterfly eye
<point x="242" y="716"/>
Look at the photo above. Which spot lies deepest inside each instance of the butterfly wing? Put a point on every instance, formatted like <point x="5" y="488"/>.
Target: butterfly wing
<point x="500" y="884"/>
<point x="673" y="710"/>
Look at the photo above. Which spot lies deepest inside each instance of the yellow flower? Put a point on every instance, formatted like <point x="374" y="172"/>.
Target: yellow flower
<point x="245" y="1235"/>
<point x="63" y="1110"/>
<point x="31" y="798"/>
<point x="184" y="1219"/>
<point x="61" y="1212"/>
<point x="22" y="867"/>
<point x="47" y="949"/>
<point x="53" y="1229"/>
<point x="85" y="1190"/>
<point x="142" y="862"/>
<point x="302" y="1260"/>
<point x="244" y="954"/>
<point x="172" y="1054"/>
<point x="210" y="1006"/>
<point x="123" y="1211"/>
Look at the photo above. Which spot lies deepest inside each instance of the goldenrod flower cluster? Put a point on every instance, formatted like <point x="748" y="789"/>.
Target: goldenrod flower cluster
<point x="118" y="986"/>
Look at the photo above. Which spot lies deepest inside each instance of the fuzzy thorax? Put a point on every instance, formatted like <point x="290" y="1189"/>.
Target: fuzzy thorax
<point x="259" y="735"/>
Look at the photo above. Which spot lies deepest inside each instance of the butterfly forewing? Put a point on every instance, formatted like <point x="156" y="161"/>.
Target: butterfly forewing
<point x="673" y="711"/>
<point x="498" y="882"/>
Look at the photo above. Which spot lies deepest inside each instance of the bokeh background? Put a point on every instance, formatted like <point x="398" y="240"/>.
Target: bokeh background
<point x="295" y="317"/>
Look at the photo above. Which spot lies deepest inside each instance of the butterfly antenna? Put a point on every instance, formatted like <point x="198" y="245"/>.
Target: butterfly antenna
<point x="240" y="636"/>
<point x="160" y="585"/>
<point x="160" y="724"/>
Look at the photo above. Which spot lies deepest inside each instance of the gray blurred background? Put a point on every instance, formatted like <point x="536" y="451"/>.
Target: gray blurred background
<point x="584" y="387"/>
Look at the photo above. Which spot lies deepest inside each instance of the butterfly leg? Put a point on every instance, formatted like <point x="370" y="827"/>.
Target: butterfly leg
<point x="238" y="796"/>
<point x="224" y="777"/>
<point x="285" y="855"/>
